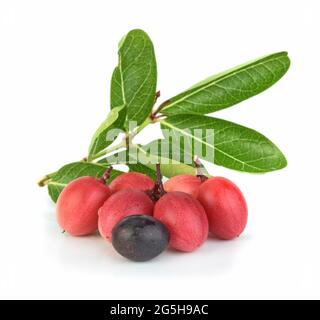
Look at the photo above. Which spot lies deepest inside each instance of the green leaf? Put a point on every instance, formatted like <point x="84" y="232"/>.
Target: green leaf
<point x="228" y="88"/>
<point x="116" y="97"/>
<point x="99" y="142"/>
<point x="173" y="168"/>
<point x="234" y="146"/>
<point x="134" y="80"/>
<point x="75" y="170"/>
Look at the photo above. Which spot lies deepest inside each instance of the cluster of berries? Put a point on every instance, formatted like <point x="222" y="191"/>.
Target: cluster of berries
<point x="142" y="217"/>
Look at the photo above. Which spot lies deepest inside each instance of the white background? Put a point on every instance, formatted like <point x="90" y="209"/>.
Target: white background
<point x="56" y="58"/>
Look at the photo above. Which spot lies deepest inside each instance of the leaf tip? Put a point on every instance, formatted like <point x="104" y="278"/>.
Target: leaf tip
<point x="133" y="32"/>
<point x="285" y="54"/>
<point x="284" y="162"/>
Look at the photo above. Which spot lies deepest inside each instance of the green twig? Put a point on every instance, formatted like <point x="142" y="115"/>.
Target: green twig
<point x="46" y="179"/>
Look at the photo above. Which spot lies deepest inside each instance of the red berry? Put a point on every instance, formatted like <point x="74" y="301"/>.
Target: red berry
<point x="185" y="182"/>
<point x="225" y="206"/>
<point x="132" y="180"/>
<point x="78" y="205"/>
<point x="120" y="205"/>
<point x="185" y="219"/>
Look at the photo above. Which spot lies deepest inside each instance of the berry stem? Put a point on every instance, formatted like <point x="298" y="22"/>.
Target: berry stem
<point x="106" y="175"/>
<point x="157" y="191"/>
<point x="200" y="175"/>
<point x="159" y="181"/>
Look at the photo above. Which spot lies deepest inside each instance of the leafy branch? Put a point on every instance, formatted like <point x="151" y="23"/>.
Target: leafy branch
<point x="133" y="98"/>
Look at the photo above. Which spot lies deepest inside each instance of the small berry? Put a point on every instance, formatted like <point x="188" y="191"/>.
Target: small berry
<point x="120" y="205"/>
<point x="185" y="219"/>
<point x="79" y="202"/>
<point x="132" y="180"/>
<point x="185" y="182"/>
<point x="225" y="206"/>
<point x="140" y="237"/>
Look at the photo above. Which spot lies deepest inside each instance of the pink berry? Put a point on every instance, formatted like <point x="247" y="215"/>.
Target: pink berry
<point x="185" y="182"/>
<point x="132" y="180"/>
<point x="185" y="219"/>
<point x="120" y="205"/>
<point x="78" y="205"/>
<point x="225" y="206"/>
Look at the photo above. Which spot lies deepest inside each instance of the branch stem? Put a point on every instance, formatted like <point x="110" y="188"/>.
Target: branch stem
<point x="46" y="179"/>
<point x="106" y="151"/>
<point x="159" y="180"/>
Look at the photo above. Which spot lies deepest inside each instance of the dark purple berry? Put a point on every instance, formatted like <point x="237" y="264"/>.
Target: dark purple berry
<point x="140" y="237"/>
